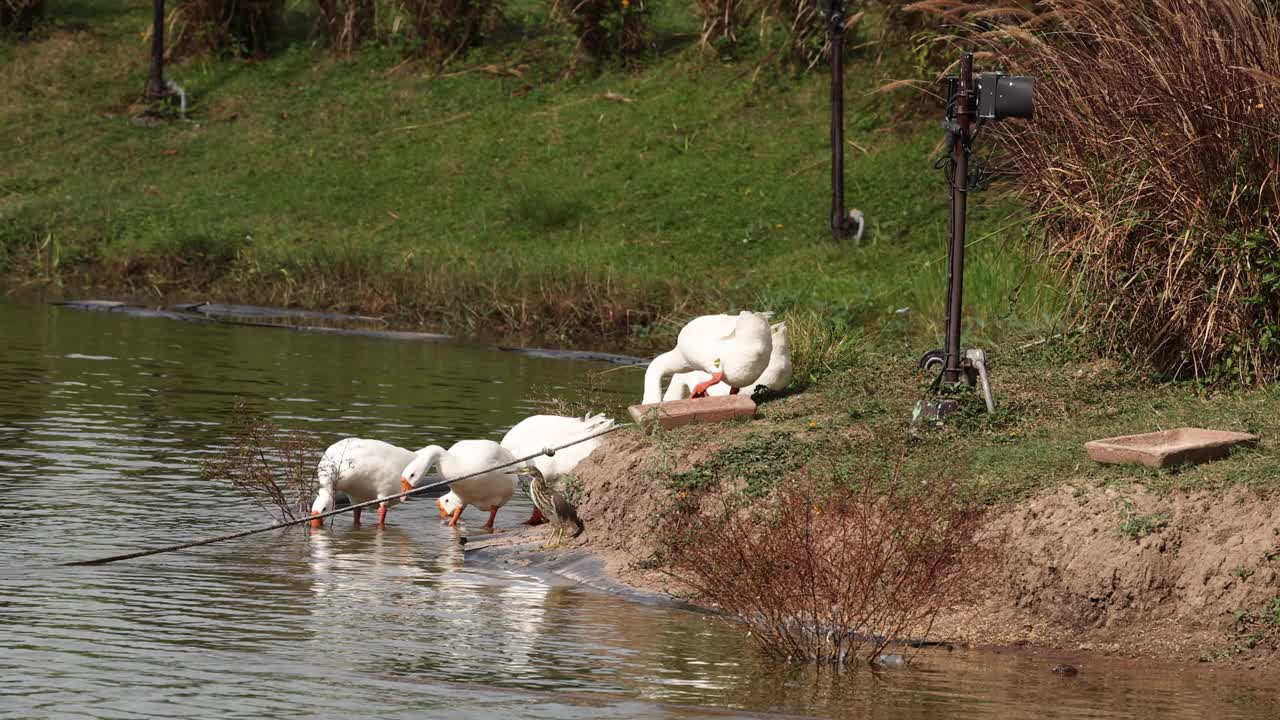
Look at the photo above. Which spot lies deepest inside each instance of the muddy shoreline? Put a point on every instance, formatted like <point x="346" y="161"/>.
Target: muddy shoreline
<point x="1070" y="587"/>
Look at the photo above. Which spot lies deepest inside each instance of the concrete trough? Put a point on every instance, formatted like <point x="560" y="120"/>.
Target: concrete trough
<point x="701" y="410"/>
<point x="1167" y="448"/>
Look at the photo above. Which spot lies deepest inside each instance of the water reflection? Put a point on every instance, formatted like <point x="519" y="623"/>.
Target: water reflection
<point x="104" y="421"/>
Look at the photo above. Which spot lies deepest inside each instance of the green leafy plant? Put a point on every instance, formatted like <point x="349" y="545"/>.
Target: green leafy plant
<point x="1135" y="525"/>
<point x="606" y="28"/>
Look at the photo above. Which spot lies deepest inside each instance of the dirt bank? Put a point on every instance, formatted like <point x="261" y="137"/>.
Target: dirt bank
<point x="1094" y="569"/>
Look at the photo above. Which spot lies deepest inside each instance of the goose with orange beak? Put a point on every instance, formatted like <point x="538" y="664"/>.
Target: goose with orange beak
<point x="487" y="488"/>
<point x="364" y="470"/>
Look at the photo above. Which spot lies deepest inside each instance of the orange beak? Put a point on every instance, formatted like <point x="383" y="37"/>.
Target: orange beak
<point x="316" y="521"/>
<point x="405" y="486"/>
<point x="440" y="507"/>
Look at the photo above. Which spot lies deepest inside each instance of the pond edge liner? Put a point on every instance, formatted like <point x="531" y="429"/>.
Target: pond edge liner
<point x="578" y="565"/>
<point x="189" y="312"/>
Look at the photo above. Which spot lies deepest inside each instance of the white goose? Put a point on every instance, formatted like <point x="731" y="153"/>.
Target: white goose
<point x="732" y="348"/>
<point x="363" y="469"/>
<point x="775" y="377"/>
<point x="536" y="433"/>
<point x="488" y="491"/>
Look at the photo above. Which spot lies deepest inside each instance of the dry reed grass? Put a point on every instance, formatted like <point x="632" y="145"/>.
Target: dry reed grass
<point x="235" y="27"/>
<point x="801" y="29"/>
<point x="347" y="23"/>
<point x="722" y="20"/>
<point x="828" y="574"/>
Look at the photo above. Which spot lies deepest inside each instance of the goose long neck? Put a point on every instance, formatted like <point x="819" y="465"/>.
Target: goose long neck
<point x="661" y="365"/>
<point x="431" y="455"/>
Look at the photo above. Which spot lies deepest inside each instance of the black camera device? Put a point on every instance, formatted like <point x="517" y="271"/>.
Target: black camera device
<point x="999" y="96"/>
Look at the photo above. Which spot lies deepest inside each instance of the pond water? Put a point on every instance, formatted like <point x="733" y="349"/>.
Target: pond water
<point x="104" y="423"/>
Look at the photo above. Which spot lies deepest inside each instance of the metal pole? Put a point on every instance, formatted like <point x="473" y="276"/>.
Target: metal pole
<point x="155" y="85"/>
<point x="835" y="18"/>
<point x="964" y="112"/>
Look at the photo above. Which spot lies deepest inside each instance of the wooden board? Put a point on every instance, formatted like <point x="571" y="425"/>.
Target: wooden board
<point x="702" y="410"/>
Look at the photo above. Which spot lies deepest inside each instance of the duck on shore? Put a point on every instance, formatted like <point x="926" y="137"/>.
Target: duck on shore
<point x="734" y="349"/>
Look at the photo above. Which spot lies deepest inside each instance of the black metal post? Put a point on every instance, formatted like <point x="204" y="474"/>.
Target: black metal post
<point x="964" y="112"/>
<point x="156" y="89"/>
<point x="835" y="20"/>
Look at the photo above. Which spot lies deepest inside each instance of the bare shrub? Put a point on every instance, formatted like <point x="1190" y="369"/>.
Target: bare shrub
<point x="828" y="574"/>
<point x="1152" y="169"/>
<point x="274" y="467"/>
<point x="347" y="23"/>
<point x="235" y="27"/>
<point x="606" y="28"/>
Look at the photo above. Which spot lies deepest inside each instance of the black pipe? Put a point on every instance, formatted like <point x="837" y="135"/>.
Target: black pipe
<point x="835" y="20"/>
<point x="156" y="89"/>
<point x="964" y="110"/>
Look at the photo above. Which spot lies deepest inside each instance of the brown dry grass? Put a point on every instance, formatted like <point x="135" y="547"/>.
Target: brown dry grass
<point x="722" y="19"/>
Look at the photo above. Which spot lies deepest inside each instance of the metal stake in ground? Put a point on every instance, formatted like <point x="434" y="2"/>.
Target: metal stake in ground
<point x="842" y="223"/>
<point x="156" y="87"/>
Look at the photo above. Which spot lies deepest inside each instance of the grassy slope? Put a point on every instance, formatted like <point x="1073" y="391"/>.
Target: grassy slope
<point x="492" y="203"/>
<point x="451" y="200"/>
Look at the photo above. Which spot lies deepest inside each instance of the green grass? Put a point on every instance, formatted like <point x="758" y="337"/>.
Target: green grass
<point x="488" y="203"/>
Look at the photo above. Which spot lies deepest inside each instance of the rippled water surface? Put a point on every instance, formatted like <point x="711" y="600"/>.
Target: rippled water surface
<point x="104" y="422"/>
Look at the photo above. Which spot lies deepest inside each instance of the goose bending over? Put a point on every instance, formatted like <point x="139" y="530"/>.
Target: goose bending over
<point x="732" y="348"/>
<point x="544" y="431"/>
<point x="775" y="377"/>
<point x="362" y="469"/>
<point x="488" y="491"/>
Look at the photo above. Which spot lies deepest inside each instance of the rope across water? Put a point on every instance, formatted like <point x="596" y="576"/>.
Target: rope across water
<point x="549" y="451"/>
